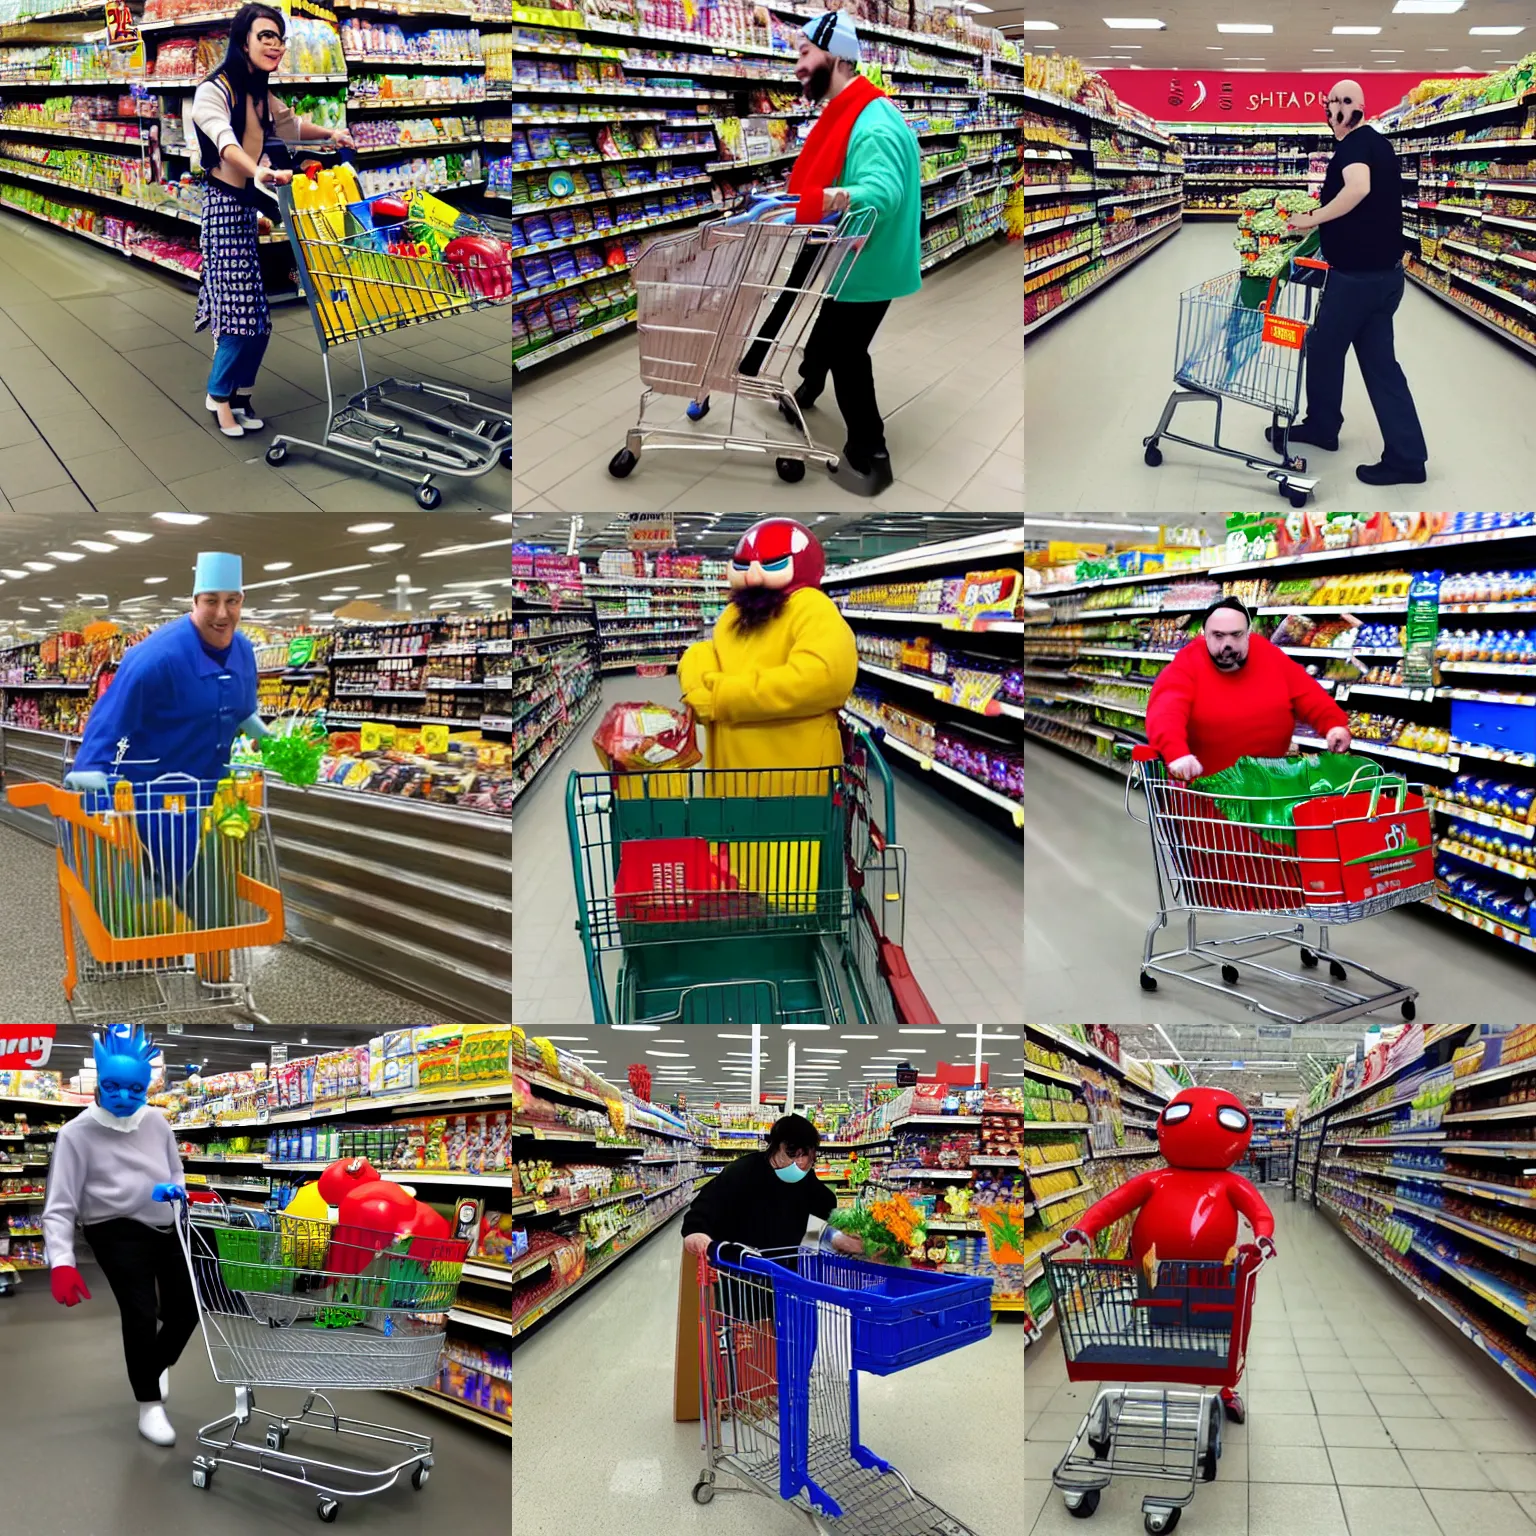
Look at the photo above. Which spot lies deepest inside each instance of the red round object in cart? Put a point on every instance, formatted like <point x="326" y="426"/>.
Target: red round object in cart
<point x="483" y="265"/>
<point x="343" y="1176"/>
<point x="426" y="1222"/>
<point x="389" y="210"/>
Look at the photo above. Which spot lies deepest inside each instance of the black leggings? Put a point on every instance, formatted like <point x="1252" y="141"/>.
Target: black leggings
<point x="148" y="1274"/>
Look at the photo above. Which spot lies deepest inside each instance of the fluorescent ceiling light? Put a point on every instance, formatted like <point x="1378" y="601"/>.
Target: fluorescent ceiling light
<point x="807" y="1026"/>
<point x="1357" y="31"/>
<point x="369" y="527"/>
<point x="154" y="581"/>
<point x="1494" y="31"/>
<point x="1427" y="7"/>
<point x="905" y="1031"/>
<point x="1398" y="50"/>
<point x="1331" y="50"/>
<point x="96" y="547"/>
<point x="69" y="556"/>
<point x="288" y="581"/>
<point x="858" y="1037"/>
<point x="636" y="1027"/>
<point x="1244" y="26"/>
<point x="279" y="565"/>
<point x="1078" y="522"/>
<point x="37" y="565"/>
<point x="459" y="549"/>
<point x="187" y="519"/>
<point x="1135" y="24"/>
<point x="129" y="536"/>
<point x="561" y="1038"/>
<point x="377" y="549"/>
<point x="682" y="1054"/>
<point x="1040" y="26"/>
<point x="354" y="589"/>
<point x="21" y="576"/>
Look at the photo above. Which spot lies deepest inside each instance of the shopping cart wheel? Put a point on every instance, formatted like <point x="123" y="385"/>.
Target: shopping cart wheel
<point x="277" y="453"/>
<point x="698" y="409"/>
<point x="1296" y="498"/>
<point x="419" y="1475"/>
<point x="1410" y="1010"/>
<point x="506" y="457"/>
<point x="428" y="497"/>
<point x="621" y="463"/>
<point x="1160" y="1521"/>
<point x="327" y="1509"/>
<point x="1148" y="983"/>
<point x="1081" y="1505"/>
<point x="1229" y="975"/>
<point x="277" y="1436"/>
<point x="703" y="1491"/>
<point x="202" y="1474"/>
<point x="790" y="470"/>
<point x="1212" y="1453"/>
<point x="1153" y="456"/>
<point x="1309" y="958"/>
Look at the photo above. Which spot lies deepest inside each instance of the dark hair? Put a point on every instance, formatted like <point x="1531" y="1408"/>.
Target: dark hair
<point x="795" y="1134"/>
<point x="241" y="78"/>
<point x="1236" y="604"/>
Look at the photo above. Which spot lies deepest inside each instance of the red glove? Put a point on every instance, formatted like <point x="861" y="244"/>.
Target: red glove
<point x="67" y="1286"/>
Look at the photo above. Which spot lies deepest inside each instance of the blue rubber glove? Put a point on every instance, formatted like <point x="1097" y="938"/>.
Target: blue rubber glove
<point x="81" y="782"/>
<point x="255" y="727"/>
<point x="166" y="1192"/>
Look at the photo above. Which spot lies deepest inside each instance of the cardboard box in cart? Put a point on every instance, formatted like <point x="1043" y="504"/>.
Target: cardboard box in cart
<point x="1359" y="846"/>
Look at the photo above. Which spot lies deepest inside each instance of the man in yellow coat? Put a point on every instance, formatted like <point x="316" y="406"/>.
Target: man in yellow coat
<point x="782" y="660"/>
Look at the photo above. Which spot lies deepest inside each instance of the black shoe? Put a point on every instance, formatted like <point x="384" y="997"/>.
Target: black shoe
<point x="861" y="481"/>
<point x="804" y="399"/>
<point x="1304" y="432"/>
<point x="1388" y="474"/>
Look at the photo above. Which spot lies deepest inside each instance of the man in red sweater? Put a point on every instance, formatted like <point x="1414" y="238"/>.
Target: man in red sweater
<point x="1233" y="696"/>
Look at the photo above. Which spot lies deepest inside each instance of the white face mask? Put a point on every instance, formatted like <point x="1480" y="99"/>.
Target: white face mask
<point x="124" y="1123"/>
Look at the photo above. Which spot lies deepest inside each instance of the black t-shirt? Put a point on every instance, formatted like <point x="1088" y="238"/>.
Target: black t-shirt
<point x="1369" y="238"/>
<point x="749" y="1203"/>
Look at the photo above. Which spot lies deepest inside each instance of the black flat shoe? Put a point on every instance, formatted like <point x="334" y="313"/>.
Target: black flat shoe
<point x="868" y="482"/>
<point x="1304" y="432"/>
<point x="1388" y="474"/>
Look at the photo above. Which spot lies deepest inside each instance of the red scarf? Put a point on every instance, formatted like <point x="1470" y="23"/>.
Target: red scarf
<point x="820" y="162"/>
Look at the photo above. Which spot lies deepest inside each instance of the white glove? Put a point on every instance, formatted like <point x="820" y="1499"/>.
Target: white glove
<point x="1186" y="767"/>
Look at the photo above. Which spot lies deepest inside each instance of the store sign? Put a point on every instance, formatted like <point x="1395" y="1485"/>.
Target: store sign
<point x="906" y="1077"/>
<point x="651" y="530"/>
<point x="25" y="1046"/>
<point x="1256" y="96"/>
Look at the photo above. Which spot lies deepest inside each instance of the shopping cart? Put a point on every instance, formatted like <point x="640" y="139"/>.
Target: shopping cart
<point x="1118" y="1328"/>
<point x="366" y="272"/>
<point x="724" y="307"/>
<point x="165" y="887"/>
<point x="289" y="1302"/>
<point x="783" y="1335"/>
<point x="1242" y="338"/>
<point x="744" y="896"/>
<point x="1217" y="855"/>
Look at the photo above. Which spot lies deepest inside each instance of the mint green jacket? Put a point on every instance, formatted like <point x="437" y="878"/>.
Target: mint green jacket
<point x="880" y="171"/>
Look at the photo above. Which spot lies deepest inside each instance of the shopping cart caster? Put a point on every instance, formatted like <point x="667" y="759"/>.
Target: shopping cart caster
<point x="1081" y="1505"/>
<point x="419" y="1475"/>
<point x="1212" y="1452"/>
<point x="1337" y="971"/>
<point x="621" y="463"/>
<point x="1309" y="959"/>
<point x="277" y="1436"/>
<point x="277" y="453"/>
<point x="1229" y="975"/>
<point x="698" y="409"/>
<point x="506" y="457"/>
<point x="1296" y="498"/>
<point x="1410" y="1010"/>
<point x="1153" y="456"/>
<point x="428" y="497"/>
<point x="327" y="1509"/>
<point x="703" y="1491"/>
<point x="202" y="1473"/>
<point x="790" y="470"/>
<point x="1148" y="983"/>
<point x="1160" y="1521"/>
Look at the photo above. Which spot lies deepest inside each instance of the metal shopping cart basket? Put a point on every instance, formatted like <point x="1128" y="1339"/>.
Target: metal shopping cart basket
<point x="783" y="1335"/>
<point x="1344" y="859"/>
<point x="724" y="307"/>
<point x="744" y="896"/>
<point x="1117" y="1327"/>
<point x="1242" y="338"/>
<point x="288" y="1302"/>
<point x="366" y="274"/>
<point x="165" y="887"/>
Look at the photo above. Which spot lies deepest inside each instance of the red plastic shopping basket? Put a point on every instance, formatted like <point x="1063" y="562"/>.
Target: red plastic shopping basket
<point x="670" y="879"/>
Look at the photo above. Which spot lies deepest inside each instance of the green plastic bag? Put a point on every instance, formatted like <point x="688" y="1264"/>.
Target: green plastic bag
<point x="1262" y="792"/>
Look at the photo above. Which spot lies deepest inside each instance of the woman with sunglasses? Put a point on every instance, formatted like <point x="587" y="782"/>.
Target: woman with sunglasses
<point x="238" y="120"/>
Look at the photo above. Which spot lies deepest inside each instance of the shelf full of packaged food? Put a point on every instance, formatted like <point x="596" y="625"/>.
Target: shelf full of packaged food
<point x="430" y="1397"/>
<point x="1109" y="275"/>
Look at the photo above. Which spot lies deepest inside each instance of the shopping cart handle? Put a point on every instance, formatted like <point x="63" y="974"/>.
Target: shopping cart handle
<point x="1309" y="261"/>
<point x="770" y="207"/>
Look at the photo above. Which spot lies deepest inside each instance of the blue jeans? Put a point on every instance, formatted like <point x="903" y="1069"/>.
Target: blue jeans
<point x="1356" y="311"/>
<point x="236" y="360"/>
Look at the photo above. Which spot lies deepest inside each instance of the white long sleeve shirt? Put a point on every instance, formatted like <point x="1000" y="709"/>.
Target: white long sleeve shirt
<point x="100" y="1171"/>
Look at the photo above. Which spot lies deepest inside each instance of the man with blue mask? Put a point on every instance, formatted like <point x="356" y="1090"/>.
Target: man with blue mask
<point x="115" y="1169"/>
<point x="766" y="1199"/>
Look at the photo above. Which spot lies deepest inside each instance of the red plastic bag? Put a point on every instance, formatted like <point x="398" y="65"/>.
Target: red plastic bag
<point x="645" y="738"/>
<point x="1359" y="846"/>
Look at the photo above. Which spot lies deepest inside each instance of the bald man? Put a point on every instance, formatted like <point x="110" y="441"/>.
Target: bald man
<point x="1361" y="227"/>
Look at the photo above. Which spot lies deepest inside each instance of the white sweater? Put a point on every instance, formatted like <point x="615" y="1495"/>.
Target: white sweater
<point x="99" y="1172"/>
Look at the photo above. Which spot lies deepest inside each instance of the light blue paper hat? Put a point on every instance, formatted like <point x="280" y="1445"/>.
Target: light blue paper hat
<point x="218" y="573"/>
<point x="834" y="33"/>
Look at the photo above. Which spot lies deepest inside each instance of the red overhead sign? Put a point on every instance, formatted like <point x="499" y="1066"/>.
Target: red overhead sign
<point x="1262" y="96"/>
<point x="24" y="1047"/>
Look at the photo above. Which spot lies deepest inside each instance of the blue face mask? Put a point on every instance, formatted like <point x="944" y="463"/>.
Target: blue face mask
<point x="792" y="1174"/>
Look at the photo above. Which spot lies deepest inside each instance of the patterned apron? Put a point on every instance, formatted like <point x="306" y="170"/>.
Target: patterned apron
<point x="232" y="300"/>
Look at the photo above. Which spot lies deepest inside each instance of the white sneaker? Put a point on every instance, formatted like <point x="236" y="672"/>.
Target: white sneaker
<point x="165" y="1386"/>
<point x="238" y="430"/>
<point x="249" y="422"/>
<point x="154" y="1425"/>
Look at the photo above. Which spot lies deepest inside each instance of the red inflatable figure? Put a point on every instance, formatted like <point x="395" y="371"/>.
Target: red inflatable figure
<point x="1189" y="1209"/>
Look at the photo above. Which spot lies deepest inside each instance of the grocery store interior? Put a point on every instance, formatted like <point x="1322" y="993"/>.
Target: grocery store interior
<point x="703" y="110"/>
<point x="1446" y="710"/>
<point x="1156" y="147"/>
<point x="615" y="1367"/>
<point x="384" y="894"/>
<point x="104" y="376"/>
<point x="1386" y="1376"/>
<point x="315" y="1093"/>
<point x="611" y="604"/>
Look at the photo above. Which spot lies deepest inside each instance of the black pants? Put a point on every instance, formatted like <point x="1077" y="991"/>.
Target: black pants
<point x="148" y="1274"/>
<point x="839" y="344"/>
<point x="1356" y="311"/>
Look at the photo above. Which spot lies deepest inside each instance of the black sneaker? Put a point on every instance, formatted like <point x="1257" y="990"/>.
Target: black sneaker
<point x="1390" y="474"/>
<point x="1304" y="432"/>
<point x="804" y="399"/>
<point x="863" y="482"/>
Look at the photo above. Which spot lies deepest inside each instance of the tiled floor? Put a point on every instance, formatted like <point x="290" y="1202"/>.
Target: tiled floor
<point x="964" y="893"/>
<point x="948" y="375"/>
<point x="1366" y="1417"/>
<point x="102" y="380"/>
<point x="1090" y="896"/>
<point x="1098" y="377"/>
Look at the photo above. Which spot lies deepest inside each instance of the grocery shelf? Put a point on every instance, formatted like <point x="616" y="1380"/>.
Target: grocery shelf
<point x="431" y="1398"/>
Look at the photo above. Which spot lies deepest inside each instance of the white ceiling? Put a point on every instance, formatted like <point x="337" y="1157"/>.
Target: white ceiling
<point x="1191" y="41"/>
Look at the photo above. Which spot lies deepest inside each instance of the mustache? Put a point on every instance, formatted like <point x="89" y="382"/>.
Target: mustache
<point x="757" y="607"/>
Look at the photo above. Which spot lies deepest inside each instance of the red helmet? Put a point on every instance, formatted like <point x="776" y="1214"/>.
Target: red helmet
<point x="1204" y="1128"/>
<point x="781" y="553"/>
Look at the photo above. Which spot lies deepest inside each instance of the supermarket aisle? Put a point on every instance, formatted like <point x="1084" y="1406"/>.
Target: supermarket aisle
<point x="948" y="374"/>
<point x="291" y="985"/>
<point x="1090" y="895"/>
<point x="1098" y="379"/>
<point x="1367" y="1417"/>
<point x="75" y="1461"/>
<point x="964" y="893"/>
<point x="597" y="1447"/>
<point x="102" y="381"/>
